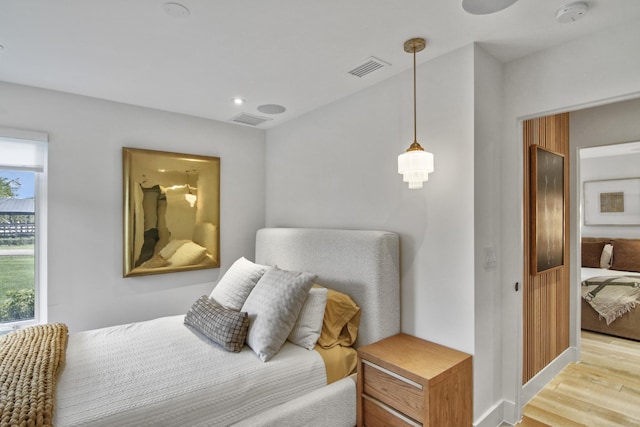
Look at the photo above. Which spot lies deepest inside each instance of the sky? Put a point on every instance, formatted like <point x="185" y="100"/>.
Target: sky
<point x="26" y="179"/>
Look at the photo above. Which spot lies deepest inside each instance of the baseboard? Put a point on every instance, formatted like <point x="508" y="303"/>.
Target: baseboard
<point x="500" y="413"/>
<point x="506" y="411"/>
<point x="510" y="414"/>
<point x="542" y="378"/>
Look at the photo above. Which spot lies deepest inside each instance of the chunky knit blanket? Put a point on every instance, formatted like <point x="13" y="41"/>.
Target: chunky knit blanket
<point x="29" y="363"/>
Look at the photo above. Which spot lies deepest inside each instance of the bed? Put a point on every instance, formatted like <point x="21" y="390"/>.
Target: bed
<point x="616" y="261"/>
<point x="161" y="373"/>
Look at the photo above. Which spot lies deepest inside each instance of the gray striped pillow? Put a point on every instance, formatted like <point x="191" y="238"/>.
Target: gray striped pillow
<point x="273" y="307"/>
<point x="223" y="326"/>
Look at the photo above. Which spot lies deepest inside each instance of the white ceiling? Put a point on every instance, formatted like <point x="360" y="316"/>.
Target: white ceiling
<point x="295" y="53"/>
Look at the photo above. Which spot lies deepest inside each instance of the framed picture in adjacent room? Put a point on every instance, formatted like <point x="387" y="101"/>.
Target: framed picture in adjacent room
<point x="612" y="202"/>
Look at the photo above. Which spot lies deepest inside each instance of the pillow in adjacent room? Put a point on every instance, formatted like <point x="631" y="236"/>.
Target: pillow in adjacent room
<point x="308" y="327"/>
<point x="592" y="254"/>
<point x="236" y="284"/>
<point x="341" y="321"/>
<point x="626" y="256"/>
<point x="273" y="307"/>
<point x="607" y="256"/>
<point x="227" y="328"/>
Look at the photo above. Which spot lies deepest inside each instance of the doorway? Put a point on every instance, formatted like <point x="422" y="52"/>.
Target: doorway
<point x="546" y="305"/>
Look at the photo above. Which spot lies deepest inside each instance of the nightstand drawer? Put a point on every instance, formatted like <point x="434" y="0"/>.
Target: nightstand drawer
<point x="407" y="381"/>
<point x="377" y="414"/>
<point x="392" y="389"/>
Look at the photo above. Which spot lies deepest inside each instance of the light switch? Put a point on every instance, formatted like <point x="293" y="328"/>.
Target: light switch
<point x="489" y="257"/>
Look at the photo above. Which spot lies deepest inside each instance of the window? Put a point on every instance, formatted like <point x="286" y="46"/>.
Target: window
<point x="22" y="228"/>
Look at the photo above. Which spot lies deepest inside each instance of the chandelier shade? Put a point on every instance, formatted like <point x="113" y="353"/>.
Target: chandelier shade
<point x="415" y="164"/>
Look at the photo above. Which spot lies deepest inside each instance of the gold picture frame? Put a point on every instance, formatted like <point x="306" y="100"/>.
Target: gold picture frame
<point x="171" y="212"/>
<point x="547" y="210"/>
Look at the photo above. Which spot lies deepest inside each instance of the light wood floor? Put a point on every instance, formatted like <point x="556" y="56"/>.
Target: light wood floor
<point x="602" y="390"/>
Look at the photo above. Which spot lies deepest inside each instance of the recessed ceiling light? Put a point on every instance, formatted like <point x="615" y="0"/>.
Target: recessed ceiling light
<point x="238" y="101"/>
<point x="176" y="10"/>
<point x="485" y="7"/>
<point x="271" y="109"/>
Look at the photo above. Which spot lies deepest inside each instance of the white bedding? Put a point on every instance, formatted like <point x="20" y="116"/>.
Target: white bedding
<point x="159" y="373"/>
<point x="587" y="272"/>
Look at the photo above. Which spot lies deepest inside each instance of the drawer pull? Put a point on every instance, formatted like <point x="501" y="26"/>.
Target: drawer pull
<point x="393" y="374"/>
<point x="392" y="411"/>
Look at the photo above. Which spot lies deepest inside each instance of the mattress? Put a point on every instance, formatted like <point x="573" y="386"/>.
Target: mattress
<point x="586" y="272"/>
<point x="159" y="373"/>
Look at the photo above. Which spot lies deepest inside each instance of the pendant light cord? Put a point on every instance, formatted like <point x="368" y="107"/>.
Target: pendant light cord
<point x="415" y="120"/>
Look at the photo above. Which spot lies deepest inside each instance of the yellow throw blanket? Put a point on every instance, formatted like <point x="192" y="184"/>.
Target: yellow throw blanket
<point x="29" y="363"/>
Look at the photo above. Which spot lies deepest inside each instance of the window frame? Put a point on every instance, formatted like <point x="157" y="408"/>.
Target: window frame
<point x="41" y="215"/>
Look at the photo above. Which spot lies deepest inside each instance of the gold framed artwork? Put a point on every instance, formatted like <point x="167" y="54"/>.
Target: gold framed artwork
<point x="612" y="202"/>
<point x="171" y="212"/>
<point x="547" y="210"/>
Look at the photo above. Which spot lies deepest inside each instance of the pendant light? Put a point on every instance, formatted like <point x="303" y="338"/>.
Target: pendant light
<point x="415" y="164"/>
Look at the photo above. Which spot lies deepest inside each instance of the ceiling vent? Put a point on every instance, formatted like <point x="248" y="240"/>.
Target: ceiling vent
<point x="248" y="119"/>
<point x="368" y="66"/>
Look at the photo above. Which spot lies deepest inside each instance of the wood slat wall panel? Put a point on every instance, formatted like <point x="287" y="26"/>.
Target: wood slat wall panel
<point x="545" y="296"/>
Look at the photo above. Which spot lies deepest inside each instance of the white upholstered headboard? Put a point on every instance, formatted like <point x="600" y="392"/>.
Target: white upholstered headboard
<point x="361" y="263"/>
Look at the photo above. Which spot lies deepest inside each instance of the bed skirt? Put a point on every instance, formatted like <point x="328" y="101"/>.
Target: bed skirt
<point x="333" y="405"/>
<point x="627" y="326"/>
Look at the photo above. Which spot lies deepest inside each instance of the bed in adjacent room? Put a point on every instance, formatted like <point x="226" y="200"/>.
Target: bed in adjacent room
<point x="610" y="278"/>
<point x="344" y="285"/>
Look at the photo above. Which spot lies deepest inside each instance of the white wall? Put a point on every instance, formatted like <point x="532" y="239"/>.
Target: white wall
<point x="607" y="168"/>
<point x="487" y="361"/>
<point x="593" y="70"/>
<point x="86" y="287"/>
<point x="337" y="167"/>
<point x="606" y="125"/>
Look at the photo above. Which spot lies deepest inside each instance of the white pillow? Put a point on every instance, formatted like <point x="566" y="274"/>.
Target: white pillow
<point x="188" y="254"/>
<point x="607" y="256"/>
<point x="236" y="284"/>
<point x="273" y="307"/>
<point x="308" y="327"/>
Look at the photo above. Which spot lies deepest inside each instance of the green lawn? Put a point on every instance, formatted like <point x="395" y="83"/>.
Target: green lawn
<point x="16" y="272"/>
<point x="17" y="296"/>
<point x="31" y="246"/>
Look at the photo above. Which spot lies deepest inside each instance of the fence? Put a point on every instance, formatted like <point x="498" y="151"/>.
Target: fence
<point x="17" y="230"/>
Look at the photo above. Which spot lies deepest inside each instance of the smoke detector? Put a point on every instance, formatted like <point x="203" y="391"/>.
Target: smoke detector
<point x="176" y="10"/>
<point x="571" y="12"/>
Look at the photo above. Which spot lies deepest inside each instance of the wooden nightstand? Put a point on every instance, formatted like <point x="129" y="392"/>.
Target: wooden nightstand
<point x="407" y="381"/>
